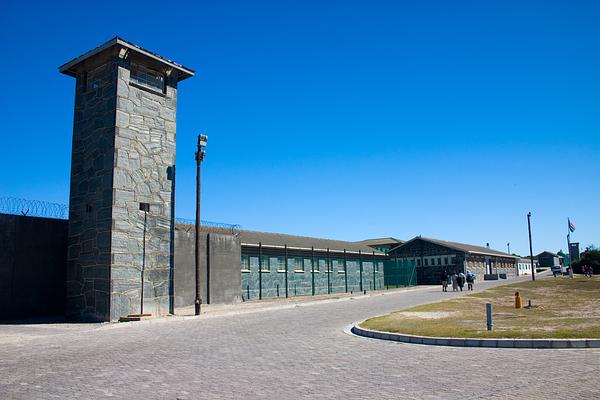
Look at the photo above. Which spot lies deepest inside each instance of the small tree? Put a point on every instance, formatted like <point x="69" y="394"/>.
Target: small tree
<point x="591" y="258"/>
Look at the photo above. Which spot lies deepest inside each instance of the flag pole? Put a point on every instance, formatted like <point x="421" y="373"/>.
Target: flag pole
<point x="569" y="247"/>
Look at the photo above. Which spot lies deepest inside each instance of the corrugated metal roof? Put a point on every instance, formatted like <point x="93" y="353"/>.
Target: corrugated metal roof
<point x="303" y="242"/>
<point x="69" y="67"/>
<point x="468" y="248"/>
<point x="381" y="241"/>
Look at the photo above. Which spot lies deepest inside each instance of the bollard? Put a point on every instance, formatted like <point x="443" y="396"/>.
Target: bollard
<point x="518" y="302"/>
<point x="488" y="313"/>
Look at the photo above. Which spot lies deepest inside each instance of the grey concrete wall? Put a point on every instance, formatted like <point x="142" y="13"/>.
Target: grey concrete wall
<point x="221" y="282"/>
<point x="33" y="255"/>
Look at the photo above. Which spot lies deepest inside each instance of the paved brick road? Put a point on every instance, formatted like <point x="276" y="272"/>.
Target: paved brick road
<point x="285" y="353"/>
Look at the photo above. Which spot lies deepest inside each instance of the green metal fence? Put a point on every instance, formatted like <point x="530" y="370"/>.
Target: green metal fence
<point x="400" y="273"/>
<point x="270" y="276"/>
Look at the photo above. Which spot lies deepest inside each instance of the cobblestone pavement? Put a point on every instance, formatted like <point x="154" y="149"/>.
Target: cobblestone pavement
<point x="286" y="352"/>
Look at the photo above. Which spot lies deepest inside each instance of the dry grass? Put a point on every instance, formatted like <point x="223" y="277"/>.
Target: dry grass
<point x="562" y="308"/>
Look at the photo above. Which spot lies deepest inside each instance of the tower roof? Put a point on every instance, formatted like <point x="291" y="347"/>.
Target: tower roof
<point x="71" y="67"/>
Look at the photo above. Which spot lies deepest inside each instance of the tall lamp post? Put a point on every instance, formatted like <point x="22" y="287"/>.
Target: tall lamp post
<point x="199" y="158"/>
<point x="530" y="247"/>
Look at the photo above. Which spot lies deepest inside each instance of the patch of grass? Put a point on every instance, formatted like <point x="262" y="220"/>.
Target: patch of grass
<point x="561" y="308"/>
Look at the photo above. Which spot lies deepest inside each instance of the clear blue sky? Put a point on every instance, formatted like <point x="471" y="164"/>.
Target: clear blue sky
<point x="346" y="119"/>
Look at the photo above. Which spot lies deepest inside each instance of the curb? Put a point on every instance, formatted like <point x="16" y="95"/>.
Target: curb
<point x="468" y="342"/>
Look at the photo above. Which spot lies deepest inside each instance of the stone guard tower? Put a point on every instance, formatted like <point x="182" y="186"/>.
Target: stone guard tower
<point x="122" y="164"/>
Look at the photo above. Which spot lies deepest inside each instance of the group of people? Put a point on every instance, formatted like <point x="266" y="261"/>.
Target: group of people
<point x="457" y="280"/>
<point x="587" y="270"/>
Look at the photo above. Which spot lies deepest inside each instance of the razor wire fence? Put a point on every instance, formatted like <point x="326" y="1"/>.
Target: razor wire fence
<point x="214" y="226"/>
<point x="46" y="209"/>
<point x="33" y="208"/>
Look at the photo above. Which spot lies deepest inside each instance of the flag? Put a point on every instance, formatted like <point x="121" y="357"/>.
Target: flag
<point x="571" y="226"/>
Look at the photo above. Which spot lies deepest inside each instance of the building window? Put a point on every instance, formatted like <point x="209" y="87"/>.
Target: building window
<point x="93" y="79"/>
<point x="418" y="262"/>
<point x="300" y="264"/>
<point x="296" y="264"/>
<point x="265" y="266"/>
<point x="439" y="261"/>
<point x="308" y="264"/>
<point x="253" y="263"/>
<point x="245" y="263"/>
<point x="426" y="262"/>
<point x="147" y="78"/>
<point x="277" y="262"/>
<point x="445" y="260"/>
<point x="320" y="264"/>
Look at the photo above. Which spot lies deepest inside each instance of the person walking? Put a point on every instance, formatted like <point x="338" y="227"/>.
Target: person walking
<point x="470" y="280"/>
<point x="454" y="282"/>
<point x="444" y="279"/>
<point x="461" y="280"/>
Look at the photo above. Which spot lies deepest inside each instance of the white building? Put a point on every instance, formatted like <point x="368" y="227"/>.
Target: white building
<point x="524" y="266"/>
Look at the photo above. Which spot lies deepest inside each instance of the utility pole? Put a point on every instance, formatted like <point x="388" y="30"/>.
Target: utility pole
<point x="530" y="246"/>
<point x="508" y="245"/>
<point x="199" y="158"/>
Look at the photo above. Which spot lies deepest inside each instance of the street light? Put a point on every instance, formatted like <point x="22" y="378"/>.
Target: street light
<point x="199" y="158"/>
<point x="530" y="247"/>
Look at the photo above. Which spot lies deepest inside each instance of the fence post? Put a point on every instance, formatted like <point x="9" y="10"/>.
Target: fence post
<point x="374" y="281"/>
<point x="345" y="272"/>
<point x="286" y="272"/>
<point x="328" y="273"/>
<point x="488" y="313"/>
<point x="360" y="268"/>
<point x="260" y="270"/>
<point x="312" y="271"/>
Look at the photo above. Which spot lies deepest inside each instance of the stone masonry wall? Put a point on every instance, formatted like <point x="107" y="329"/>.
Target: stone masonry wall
<point x="88" y="255"/>
<point x="144" y="151"/>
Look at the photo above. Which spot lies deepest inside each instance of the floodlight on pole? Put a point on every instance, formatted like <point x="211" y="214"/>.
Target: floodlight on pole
<point x="200" y="153"/>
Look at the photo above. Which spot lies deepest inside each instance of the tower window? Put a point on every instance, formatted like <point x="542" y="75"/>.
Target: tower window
<point x="147" y="78"/>
<point x="94" y="79"/>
